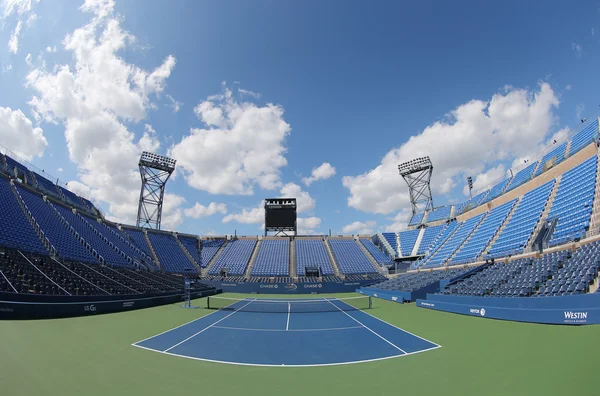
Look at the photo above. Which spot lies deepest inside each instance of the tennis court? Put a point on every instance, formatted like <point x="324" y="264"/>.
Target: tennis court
<point x="291" y="333"/>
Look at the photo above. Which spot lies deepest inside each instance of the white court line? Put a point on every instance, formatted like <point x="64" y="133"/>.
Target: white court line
<point x="367" y="327"/>
<point x="207" y="327"/>
<point x="287" y="324"/>
<point x="285" y="365"/>
<point x="251" y="329"/>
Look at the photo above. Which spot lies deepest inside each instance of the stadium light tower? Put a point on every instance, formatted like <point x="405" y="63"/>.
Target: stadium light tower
<point x="155" y="170"/>
<point x="417" y="174"/>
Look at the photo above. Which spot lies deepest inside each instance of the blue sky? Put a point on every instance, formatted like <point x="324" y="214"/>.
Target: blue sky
<point x="267" y="91"/>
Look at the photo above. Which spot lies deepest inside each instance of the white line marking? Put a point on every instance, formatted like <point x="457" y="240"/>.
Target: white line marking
<point x="366" y="327"/>
<point x="206" y="328"/>
<point x="287" y="365"/>
<point x="408" y="332"/>
<point x="287" y="324"/>
<point x="250" y="329"/>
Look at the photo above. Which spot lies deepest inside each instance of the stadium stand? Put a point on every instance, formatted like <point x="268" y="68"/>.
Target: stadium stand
<point x="138" y="238"/>
<point x="312" y="253"/>
<point x="441" y="213"/>
<point x="429" y="237"/>
<point x="210" y="247"/>
<point x="45" y="185"/>
<point x="522" y="176"/>
<point x="407" y="241"/>
<point x="377" y="254"/>
<point x="480" y="238"/>
<point x="418" y="280"/>
<point x="11" y="165"/>
<point x="416" y="219"/>
<point x="439" y="241"/>
<point x="586" y="136"/>
<point x="390" y="237"/>
<point x="520" y="226"/>
<point x="350" y="257"/>
<point x="552" y="158"/>
<point x="273" y="258"/>
<point x="496" y="191"/>
<point x="454" y="242"/>
<point x="235" y="257"/>
<point x="170" y="255"/>
<point x="471" y="203"/>
<point x="191" y="245"/>
<point x="573" y="203"/>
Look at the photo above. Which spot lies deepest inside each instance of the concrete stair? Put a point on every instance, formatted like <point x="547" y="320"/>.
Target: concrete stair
<point x="387" y="248"/>
<point x="545" y="213"/>
<point x="292" y="270"/>
<point x="568" y="149"/>
<point x="154" y="256"/>
<point x="418" y="242"/>
<point x="501" y="229"/>
<point x="334" y="264"/>
<point x="248" y="272"/>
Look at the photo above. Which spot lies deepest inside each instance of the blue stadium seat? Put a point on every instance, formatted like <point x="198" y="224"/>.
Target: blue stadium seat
<point x="235" y="257"/>
<point x="273" y="258"/>
<point x="312" y="253"/>
<point x="350" y="257"/>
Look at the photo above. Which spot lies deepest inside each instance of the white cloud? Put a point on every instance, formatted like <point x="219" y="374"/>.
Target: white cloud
<point x="400" y="221"/>
<point x="28" y="60"/>
<point x="51" y="49"/>
<point x="198" y="210"/>
<point x="248" y="216"/>
<point x="96" y="99"/>
<point x="577" y="49"/>
<point x="59" y="170"/>
<point x="359" y="227"/>
<point x="304" y="201"/>
<point x="18" y="134"/>
<point x="241" y="146"/>
<point x="485" y="179"/>
<point x="13" y="42"/>
<point x="249" y="93"/>
<point x="322" y="172"/>
<point x="6" y="67"/>
<point x="308" y="225"/>
<point x="175" y="105"/>
<point x="475" y="136"/>
<point x="568" y="87"/>
<point x="32" y="20"/>
<point x="18" y="7"/>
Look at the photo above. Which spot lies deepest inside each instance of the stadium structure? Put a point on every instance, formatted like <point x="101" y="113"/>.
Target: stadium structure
<point x="523" y="250"/>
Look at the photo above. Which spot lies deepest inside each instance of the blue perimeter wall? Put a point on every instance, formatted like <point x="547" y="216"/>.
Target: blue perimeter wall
<point x="400" y="296"/>
<point x="288" y="288"/>
<point x="573" y="310"/>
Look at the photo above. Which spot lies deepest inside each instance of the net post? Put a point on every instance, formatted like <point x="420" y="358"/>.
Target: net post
<point x="370" y="302"/>
<point x="208" y="302"/>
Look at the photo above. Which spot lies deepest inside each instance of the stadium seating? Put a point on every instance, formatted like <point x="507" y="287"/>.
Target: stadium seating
<point x="350" y="257"/>
<point x="521" y="225"/>
<point x="438" y="214"/>
<point x="418" y="280"/>
<point x="554" y="157"/>
<point x="453" y="243"/>
<point x="407" y="241"/>
<point x="170" y="255"/>
<point x="138" y="238"/>
<point x="113" y="235"/>
<point x="496" y="191"/>
<point x="439" y="241"/>
<point x="479" y="239"/>
<point x="312" y="253"/>
<point x="429" y="237"/>
<point x="210" y="247"/>
<point x="390" y="237"/>
<point x="586" y="136"/>
<point x="11" y="165"/>
<point x="377" y="254"/>
<point x="522" y="176"/>
<point x="273" y="258"/>
<point x="45" y="185"/>
<point x="573" y="203"/>
<point x="471" y="203"/>
<point x="71" y="198"/>
<point x="416" y="219"/>
<point x="15" y="230"/>
<point x="191" y="245"/>
<point x="235" y="257"/>
<point x="68" y="245"/>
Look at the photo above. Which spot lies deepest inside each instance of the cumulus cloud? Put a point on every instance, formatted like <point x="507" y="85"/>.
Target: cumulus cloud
<point x="198" y="210"/>
<point x="18" y="134"/>
<point x="473" y="138"/>
<point x="13" y="42"/>
<point x="240" y="147"/>
<point x="22" y="11"/>
<point x="485" y="179"/>
<point x="322" y="172"/>
<point x="359" y="227"/>
<point x="248" y="216"/>
<point x="304" y="201"/>
<point x="308" y="225"/>
<point x="400" y="221"/>
<point x="98" y="98"/>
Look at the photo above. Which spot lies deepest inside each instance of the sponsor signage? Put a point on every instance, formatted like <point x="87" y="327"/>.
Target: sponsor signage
<point x="575" y="316"/>
<point x="477" y="311"/>
<point x="269" y="286"/>
<point x="128" y="304"/>
<point x="313" y="285"/>
<point x="426" y="304"/>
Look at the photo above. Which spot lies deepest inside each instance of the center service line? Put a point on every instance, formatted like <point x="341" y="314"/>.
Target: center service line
<point x="287" y="325"/>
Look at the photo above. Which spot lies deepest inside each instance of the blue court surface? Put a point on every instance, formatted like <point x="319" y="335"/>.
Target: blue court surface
<point x="292" y="333"/>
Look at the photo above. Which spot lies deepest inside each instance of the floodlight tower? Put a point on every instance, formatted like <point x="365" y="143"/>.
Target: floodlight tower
<point x="417" y="174"/>
<point x="155" y="170"/>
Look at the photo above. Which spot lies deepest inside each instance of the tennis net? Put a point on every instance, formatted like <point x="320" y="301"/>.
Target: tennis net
<point x="292" y="306"/>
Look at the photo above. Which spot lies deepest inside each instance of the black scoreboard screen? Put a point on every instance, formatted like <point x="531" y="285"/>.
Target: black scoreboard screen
<point x="280" y="214"/>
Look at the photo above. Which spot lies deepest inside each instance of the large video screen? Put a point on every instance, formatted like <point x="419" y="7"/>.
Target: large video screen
<point x="281" y="218"/>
